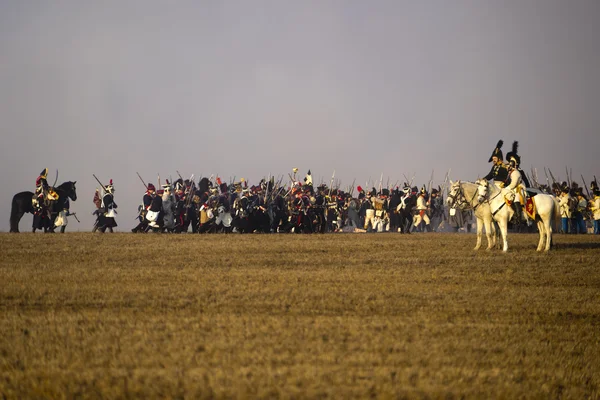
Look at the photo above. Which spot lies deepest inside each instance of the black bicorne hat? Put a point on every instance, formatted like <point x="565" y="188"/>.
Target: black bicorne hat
<point x="497" y="152"/>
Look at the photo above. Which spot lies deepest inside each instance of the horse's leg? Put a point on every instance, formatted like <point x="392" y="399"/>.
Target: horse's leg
<point x="541" y="228"/>
<point x="479" y="229"/>
<point x="503" y="225"/>
<point x="548" y="224"/>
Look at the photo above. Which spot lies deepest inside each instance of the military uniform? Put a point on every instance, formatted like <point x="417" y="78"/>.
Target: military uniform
<point x="422" y="208"/>
<point x="499" y="172"/>
<point x="565" y="202"/>
<point x="108" y="206"/>
<point x="595" y="207"/>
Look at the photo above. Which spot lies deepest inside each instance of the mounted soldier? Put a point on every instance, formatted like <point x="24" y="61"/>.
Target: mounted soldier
<point x="44" y="194"/>
<point x="517" y="195"/>
<point x="499" y="172"/>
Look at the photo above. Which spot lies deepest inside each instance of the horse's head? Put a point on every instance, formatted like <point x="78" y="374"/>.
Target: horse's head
<point x="73" y="191"/>
<point x="455" y="194"/>
<point x="69" y="189"/>
<point x="483" y="189"/>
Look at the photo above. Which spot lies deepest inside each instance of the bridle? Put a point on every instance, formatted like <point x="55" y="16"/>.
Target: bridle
<point x="460" y="200"/>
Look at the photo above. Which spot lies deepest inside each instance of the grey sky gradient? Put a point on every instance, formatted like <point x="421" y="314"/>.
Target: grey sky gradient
<point x="248" y="88"/>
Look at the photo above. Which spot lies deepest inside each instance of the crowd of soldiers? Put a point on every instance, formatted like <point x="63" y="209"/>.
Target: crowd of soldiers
<point x="298" y="206"/>
<point x="213" y="206"/>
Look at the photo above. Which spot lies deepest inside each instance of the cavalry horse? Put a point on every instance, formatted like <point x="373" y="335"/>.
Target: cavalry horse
<point x="465" y="195"/>
<point x="545" y="206"/>
<point x="22" y="203"/>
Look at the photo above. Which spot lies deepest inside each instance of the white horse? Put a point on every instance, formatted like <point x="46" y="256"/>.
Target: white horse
<point x="546" y="211"/>
<point x="501" y="211"/>
<point x="465" y="195"/>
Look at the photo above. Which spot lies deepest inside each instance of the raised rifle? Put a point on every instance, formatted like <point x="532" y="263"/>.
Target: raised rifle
<point x="568" y="178"/>
<point x="139" y="176"/>
<point x="331" y="184"/>
<point x="586" y="188"/>
<point x="98" y="180"/>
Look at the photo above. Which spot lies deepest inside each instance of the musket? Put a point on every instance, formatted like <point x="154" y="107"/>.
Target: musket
<point x="158" y="180"/>
<point x="413" y="178"/>
<point x="586" y="188"/>
<point x="554" y="180"/>
<point x="548" y="181"/>
<point x="103" y="187"/>
<point x="139" y="176"/>
<point x="331" y="184"/>
<point x="380" y="182"/>
<point x="180" y="177"/>
<point x="568" y="177"/>
<point x="430" y="183"/>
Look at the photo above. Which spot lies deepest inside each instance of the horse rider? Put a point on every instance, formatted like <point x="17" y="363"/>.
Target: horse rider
<point x="499" y="172"/>
<point x="422" y="208"/>
<point x="41" y="189"/>
<point x="515" y="191"/>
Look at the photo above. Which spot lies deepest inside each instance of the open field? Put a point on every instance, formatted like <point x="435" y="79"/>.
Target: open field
<point x="295" y="316"/>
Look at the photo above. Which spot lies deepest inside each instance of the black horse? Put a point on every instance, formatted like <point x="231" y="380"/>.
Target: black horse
<point x="22" y="204"/>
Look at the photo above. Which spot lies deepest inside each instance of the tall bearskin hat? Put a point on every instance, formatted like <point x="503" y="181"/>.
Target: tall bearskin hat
<point x="373" y="192"/>
<point x="203" y="185"/>
<point x="385" y="192"/>
<point x="497" y="152"/>
<point x="44" y="173"/>
<point x="512" y="156"/>
<point x="223" y="187"/>
<point x="360" y="189"/>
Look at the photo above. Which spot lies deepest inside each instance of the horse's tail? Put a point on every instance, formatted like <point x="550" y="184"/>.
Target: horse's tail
<point x="556" y="217"/>
<point x="14" y="215"/>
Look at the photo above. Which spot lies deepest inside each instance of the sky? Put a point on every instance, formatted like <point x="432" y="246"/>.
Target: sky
<point x="252" y="88"/>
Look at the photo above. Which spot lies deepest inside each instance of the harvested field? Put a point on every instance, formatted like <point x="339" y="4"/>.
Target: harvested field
<point x="297" y="316"/>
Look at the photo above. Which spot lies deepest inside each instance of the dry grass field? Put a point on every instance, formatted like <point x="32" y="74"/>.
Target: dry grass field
<point x="295" y="316"/>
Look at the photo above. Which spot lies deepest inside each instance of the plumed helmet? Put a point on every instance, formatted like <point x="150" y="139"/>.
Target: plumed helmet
<point x="179" y="184"/>
<point x="308" y="178"/>
<point x="497" y="152"/>
<point x="423" y="190"/>
<point x="44" y="173"/>
<point x="110" y="188"/>
<point x="594" y="186"/>
<point x="512" y="157"/>
<point x="151" y="187"/>
<point x="359" y="189"/>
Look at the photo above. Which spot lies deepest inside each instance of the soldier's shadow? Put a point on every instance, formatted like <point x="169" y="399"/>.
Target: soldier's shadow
<point x="578" y="245"/>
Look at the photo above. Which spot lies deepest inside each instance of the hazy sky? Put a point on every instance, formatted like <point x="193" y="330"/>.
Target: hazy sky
<point x="248" y="88"/>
